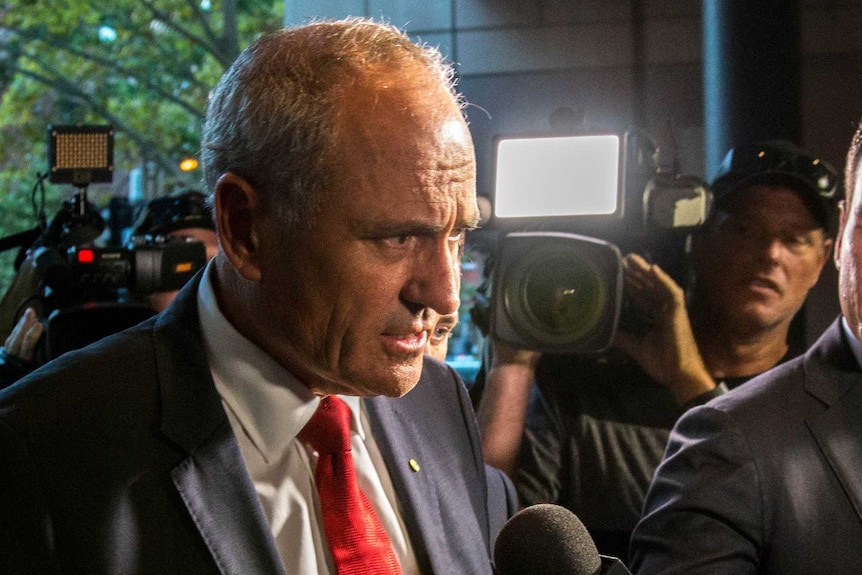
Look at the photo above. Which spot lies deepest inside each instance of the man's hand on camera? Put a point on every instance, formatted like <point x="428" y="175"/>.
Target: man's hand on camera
<point x="21" y="343"/>
<point x="503" y="354"/>
<point x="16" y="355"/>
<point x="667" y="350"/>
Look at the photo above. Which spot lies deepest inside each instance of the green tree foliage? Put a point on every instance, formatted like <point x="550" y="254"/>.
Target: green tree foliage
<point x="143" y="66"/>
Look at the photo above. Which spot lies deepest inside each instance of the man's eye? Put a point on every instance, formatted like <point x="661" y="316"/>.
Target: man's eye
<point x="441" y="333"/>
<point x="457" y="239"/>
<point x="799" y="241"/>
<point x="397" y="241"/>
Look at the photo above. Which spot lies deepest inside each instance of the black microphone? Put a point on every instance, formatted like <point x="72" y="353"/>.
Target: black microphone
<point x="547" y="539"/>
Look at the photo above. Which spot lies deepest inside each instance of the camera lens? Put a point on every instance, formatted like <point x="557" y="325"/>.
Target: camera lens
<point x="566" y="296"/>
<point x="557" y="292"/>
<point x="561" y="294"/>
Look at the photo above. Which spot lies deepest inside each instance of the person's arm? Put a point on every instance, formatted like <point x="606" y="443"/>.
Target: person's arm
<point x="703" y="509"/>
<point x="667" y="350"/>
<point x="503" y="408"/>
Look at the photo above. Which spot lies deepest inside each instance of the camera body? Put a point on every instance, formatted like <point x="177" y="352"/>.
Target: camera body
<point x="83" y="293"/>
<point x="80" y="292"/>
<point x="104" y="289"/>
<point x="114" y="274"/>
<point x="566" y="208"/>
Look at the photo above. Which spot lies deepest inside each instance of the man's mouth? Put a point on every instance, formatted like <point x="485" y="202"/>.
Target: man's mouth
<point x="409" y="343"/>
<point x="765" y="283"/>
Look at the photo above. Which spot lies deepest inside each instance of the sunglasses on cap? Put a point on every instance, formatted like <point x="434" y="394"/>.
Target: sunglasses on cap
<point x="778" y="158"/>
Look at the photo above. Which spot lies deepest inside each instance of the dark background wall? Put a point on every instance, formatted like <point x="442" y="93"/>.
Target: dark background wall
<point x="629" y="64"/>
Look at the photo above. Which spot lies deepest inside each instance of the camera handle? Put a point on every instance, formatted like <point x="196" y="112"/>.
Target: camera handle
<point x="25" y="289"/>
<point x="77" y="223"/>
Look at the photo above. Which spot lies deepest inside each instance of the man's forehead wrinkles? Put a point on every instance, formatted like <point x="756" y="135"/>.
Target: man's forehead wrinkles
<point x="444" y="156"/>
<point x="430" y="214"/>
<point x="460" y="170"/>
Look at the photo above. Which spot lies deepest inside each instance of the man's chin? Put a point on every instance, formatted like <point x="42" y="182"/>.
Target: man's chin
<point x="404" y="377"/>
<point x="396" y="381"/>
<point x="761" y="317"/>
<point x="403" y="380"/>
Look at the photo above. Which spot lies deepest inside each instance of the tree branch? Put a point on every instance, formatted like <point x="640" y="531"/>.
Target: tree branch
<point x="202" y="18"/>
<point x="145" y="147"/>
<point x="165" y="18"/>
<point x="110" y="64"/>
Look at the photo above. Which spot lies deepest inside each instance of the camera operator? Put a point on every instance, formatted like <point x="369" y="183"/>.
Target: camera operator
<point x="591" y="432"/>
<point x="181" y="217"/>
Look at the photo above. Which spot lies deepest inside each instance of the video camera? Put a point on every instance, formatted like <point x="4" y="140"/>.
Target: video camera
<point x="567" y="207"/>
<point x="123" y="274"/>
<point x="83" y="292"/>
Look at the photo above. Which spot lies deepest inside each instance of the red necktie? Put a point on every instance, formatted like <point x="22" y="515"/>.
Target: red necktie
<point x="357" y="540"/>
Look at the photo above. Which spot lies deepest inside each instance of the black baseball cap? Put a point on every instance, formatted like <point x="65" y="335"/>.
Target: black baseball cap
<point x="171" y="213"/>
<point x="779" y="162"/>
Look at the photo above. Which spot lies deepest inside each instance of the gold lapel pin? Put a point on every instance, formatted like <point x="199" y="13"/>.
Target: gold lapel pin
<point x="414" y="465"/>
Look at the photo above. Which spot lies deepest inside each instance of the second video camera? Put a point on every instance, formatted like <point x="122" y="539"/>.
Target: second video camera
<point x="103" y="274"/>
<point x="566" y="206"/>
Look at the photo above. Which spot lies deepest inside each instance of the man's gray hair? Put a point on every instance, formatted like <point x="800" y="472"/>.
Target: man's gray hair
<point x="273" y="117"/>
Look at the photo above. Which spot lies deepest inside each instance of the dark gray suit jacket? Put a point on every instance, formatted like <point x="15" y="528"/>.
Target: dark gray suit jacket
<point x="766" y="479"/>
<point x="119" y="459"/>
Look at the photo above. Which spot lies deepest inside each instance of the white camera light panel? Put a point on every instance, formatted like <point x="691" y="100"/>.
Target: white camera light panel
<point x="557" y="176"/>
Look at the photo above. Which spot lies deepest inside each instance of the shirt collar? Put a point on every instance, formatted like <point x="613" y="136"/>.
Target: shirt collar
<point x="270" y="403"/>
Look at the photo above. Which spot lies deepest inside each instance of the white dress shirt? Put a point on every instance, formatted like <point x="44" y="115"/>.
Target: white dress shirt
<point x="267" y="407"/>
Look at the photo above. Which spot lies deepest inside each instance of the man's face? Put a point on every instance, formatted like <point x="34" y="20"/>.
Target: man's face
<point x="438" y="339"/>
<point x="755" y="264"/>
<point x="848" y="259"/>
<point x="349" y="305"/>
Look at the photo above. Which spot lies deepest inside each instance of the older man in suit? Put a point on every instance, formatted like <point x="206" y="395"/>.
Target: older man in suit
<point x="766" y="478"/>
<point x="204" y="440"/>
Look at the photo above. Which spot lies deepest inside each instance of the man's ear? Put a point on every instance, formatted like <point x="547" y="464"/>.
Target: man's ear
<point x="828" y="249"/>
<point x="238" y="211"/>
<point x="843" y="214"/>
<point x="825" y="256"/>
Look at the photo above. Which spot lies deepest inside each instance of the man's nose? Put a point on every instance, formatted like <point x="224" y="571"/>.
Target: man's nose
<point x="435" y="280"/>
<point x="770" y="248"/>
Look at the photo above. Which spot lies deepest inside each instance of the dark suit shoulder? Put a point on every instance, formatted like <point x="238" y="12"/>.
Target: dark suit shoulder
<point x="763" y="389"/>
<point x="808" y="381"/>
<point x="112" y="358"/>
<point x="111" y="384"/>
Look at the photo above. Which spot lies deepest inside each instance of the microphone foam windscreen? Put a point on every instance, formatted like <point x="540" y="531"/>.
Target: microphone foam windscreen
<point x="547" y="539"/>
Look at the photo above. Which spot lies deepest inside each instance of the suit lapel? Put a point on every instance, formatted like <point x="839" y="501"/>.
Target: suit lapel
<point x="395" y="435"/>
<point x="833" y="377"/>
<point x="212" y="480"/>
<point x="221" y="499"/>
<point x="432" y="454"/>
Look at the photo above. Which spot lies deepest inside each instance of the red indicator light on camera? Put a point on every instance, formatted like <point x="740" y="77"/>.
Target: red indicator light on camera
<point x="86" y="256"/>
